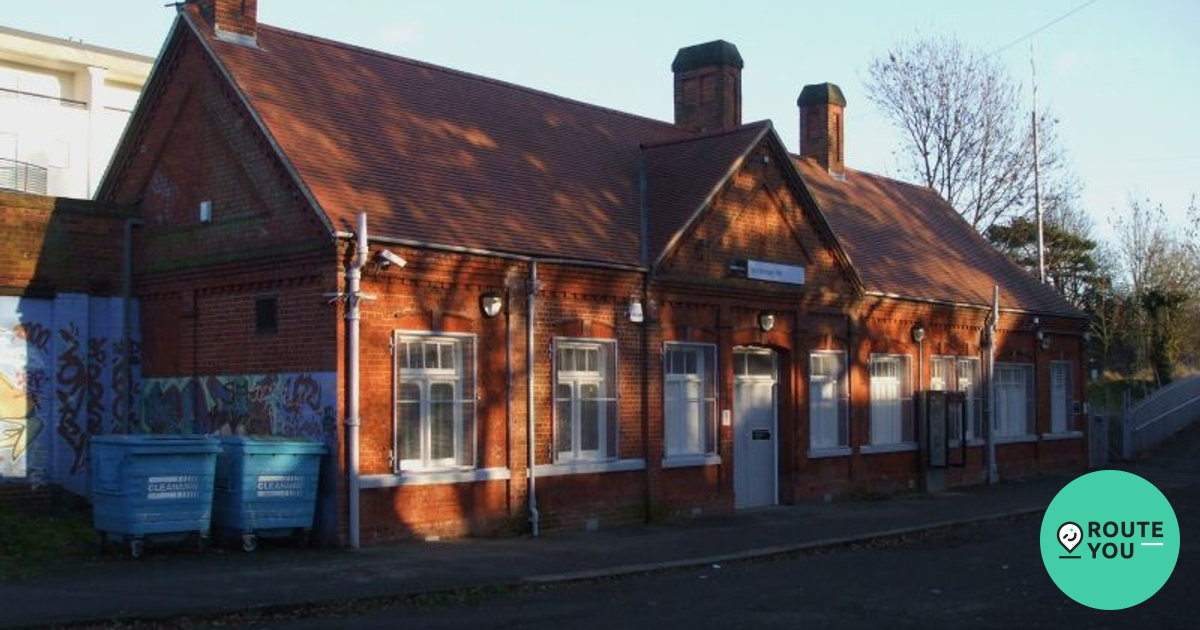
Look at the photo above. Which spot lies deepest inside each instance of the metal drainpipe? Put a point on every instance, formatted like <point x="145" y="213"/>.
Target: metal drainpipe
<point x="919" y="427"/>
<point x="508" y="383"/>
<point x="534" y="518"/>
<point x="989" y="428"/>
<point x="127" y="320"/>
<point x="353" y="292"/>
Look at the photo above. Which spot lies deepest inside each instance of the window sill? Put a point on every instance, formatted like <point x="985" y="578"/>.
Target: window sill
<point x="432" y="477"/>
<point x="830" y="451"/>
<point x="1067" y="435"/>
<point x="869" y="449"/>
<point x="587" y="468"/>
<point x="1015" y="439"/>
<point x="971" y="443"/>
<point x="686" y="461"/>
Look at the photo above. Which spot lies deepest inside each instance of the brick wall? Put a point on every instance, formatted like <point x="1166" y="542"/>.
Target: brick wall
<point x="50" y="244"/>
<point x="231" y="16"/>
<point x="821" y="129"/>
<point x="198" y="283"/>
<point x="709" y="98"/>
<point x="196" y="142"/>
<point x="692" y="300"/>
<point x="25" y="498"/>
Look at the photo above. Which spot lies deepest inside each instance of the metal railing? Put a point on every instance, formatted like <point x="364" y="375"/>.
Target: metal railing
<point x="65" y="102"/>
<point x="22" y="177"/>
<point x="1163" y="414"/>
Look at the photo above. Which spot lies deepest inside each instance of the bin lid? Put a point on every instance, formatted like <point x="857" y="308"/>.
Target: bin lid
<point x="272" y="444"/>
<point x="159" y="443"/>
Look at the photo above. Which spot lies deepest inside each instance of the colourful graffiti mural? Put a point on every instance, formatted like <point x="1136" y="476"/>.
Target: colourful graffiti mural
<point x="24" y="385"/>
<point x="62" y="379"/>
<point x="300" y="405"/>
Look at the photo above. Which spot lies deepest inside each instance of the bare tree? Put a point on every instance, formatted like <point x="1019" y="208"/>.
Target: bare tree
<point x="968" y="129"/>
<point x="1161" y="273"/>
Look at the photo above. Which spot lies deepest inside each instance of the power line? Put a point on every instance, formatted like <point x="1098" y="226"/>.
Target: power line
<point x="1043" y="27"/>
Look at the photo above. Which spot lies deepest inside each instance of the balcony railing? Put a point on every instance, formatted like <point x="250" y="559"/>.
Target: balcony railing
<point x="65" y="102"/>
<point x="22" y="177"/>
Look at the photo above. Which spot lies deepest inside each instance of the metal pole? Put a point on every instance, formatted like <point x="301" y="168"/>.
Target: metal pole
<point x="534" y="518"/>
<point x="353" y="293"/>
<point x="1037" y="187"/>
<point x="127" y="334"/>
<point x="989" y="427"/>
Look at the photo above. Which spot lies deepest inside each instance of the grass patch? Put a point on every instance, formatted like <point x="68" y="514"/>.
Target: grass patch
<point x="29" y="543"/>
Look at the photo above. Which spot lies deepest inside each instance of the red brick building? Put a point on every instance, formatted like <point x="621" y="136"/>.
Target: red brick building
<point x="716" y="323"/>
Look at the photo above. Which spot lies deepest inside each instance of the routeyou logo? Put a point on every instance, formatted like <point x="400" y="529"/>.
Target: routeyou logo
<point x="1110" y="540"/>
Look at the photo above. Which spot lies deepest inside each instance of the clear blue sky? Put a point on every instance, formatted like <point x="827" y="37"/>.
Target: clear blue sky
<point x="1120" y="75"/>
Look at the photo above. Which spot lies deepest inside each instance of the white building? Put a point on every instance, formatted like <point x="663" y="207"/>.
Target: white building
<point x="63" y="106"/>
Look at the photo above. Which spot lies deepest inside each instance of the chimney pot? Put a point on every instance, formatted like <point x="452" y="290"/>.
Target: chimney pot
<point x="708" y="86"/>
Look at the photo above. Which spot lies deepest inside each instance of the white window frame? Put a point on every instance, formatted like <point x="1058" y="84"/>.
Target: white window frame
<point x="973" y="403"/>
<point x="890" y="417"/>
<point x="705" y="379"/>
<point x="1016" y="401"/>
<point x="426" y="379"/>
<point x="953" y="381"/>
<point x="577" y="379"/>
<point x="819" y="443"/>
<point x="1060" y="416"/>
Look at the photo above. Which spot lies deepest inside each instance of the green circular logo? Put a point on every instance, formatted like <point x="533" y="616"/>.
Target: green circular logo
<point x="1110" y="540"/>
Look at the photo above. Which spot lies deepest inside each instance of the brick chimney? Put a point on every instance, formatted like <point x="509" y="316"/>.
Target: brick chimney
<point x="232" y="20"/>
<point x="821" y="126"/>
<point x="708" y="86"/>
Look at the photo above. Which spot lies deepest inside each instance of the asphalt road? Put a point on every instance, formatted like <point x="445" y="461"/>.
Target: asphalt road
<point x="974" y="577"/>
<point x="984" y="576"/>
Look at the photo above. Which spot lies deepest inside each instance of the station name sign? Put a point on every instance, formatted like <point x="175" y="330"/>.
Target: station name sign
<point x="770" y="272"/>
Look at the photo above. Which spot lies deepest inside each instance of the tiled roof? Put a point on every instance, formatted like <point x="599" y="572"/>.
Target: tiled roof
<point x="681" y="175"/>
<point x="439" y="156"/>
<point x="443" y="157"/>
<point x="906" y="240"/>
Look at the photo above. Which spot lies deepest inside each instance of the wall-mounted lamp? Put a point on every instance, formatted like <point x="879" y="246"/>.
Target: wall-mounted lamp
<point x="490" y="304"/>
<point x="766" y="321"/>
<point x="1043" y="339"/>
<point x="918" y="333"/>
<point x="636" y="315"/>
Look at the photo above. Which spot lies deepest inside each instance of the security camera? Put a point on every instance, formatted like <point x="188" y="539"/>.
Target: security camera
<point x="390" y="258"/>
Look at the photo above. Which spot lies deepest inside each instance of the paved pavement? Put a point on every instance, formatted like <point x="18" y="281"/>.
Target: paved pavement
<point x="171" y="584"/>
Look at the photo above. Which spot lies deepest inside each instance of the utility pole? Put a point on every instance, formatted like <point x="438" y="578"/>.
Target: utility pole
<point x="1037" y="185"/>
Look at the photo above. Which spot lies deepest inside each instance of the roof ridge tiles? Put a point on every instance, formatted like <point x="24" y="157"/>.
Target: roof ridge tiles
<point x="889" y="178"/>
<point x="757" y="125"/>
<point x="462" y="73"/>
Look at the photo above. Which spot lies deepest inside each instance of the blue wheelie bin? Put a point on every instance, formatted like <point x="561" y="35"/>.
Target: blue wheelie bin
<point x="266" y="486"/>
<point x="152" y="486"/>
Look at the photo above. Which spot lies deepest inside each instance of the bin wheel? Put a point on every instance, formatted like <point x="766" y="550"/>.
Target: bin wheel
<point x="249" y="542"/>
<point x="137" y="547"/>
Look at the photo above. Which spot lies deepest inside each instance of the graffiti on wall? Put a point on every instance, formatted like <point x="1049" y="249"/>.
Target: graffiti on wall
<point x="63" y="375"/>
<point x="72" y="380"/>
<point x="299" y="405"/>
<point x="24" y="385"/>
